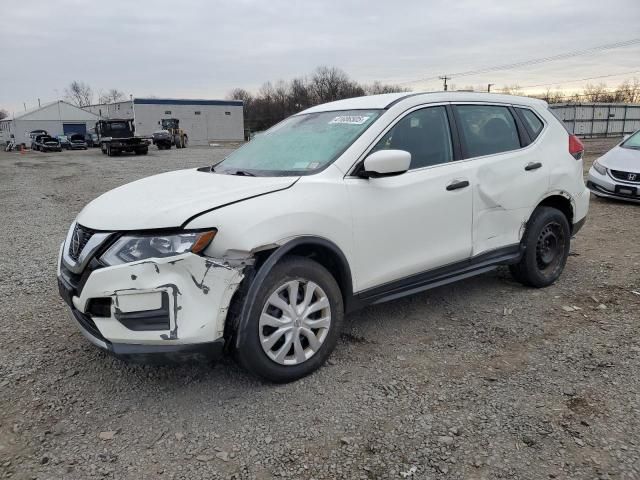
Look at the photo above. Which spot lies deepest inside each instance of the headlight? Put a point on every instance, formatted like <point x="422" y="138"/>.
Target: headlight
<point x="599" y="168"/>
<point x="132" y="248"/>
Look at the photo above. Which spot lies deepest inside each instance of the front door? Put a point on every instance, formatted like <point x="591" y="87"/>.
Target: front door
<point x="416" y="221"/>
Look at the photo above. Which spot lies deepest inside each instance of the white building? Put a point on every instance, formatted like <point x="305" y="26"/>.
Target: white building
<point x="122" y="109"/>
<point x="204" y="121"/>
<point x="57" y="118"/>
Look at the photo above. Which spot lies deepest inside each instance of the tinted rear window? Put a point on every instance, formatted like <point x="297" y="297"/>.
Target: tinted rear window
<point x="487" y="129"/>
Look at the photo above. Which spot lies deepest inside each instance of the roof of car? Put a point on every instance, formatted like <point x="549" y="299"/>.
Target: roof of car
<point x="386" y="100"/>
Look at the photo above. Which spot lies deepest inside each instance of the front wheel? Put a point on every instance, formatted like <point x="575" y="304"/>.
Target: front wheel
<point x="546" y="245"/>
<point x="294" y="323"/>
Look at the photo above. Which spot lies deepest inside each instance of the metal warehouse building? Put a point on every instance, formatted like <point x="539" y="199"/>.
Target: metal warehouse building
<point x="57" y="118"/>
<point x="204" y="121"/>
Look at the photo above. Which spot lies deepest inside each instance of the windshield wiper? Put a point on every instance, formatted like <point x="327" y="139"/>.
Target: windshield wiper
<point x="242" y="173"/>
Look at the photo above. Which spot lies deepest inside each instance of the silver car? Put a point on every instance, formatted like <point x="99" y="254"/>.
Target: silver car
<point x="616" y="174"/>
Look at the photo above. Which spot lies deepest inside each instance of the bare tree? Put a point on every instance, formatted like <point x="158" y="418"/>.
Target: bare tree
<point x="628" y="91"/>
<point x="79" y="93"/>
<point x="597" y="93"/>
<point x="512" y="90"/>
<point x="112" y="96"/>
<point x="275" y="101"/>
<point x="377" y="88"/>
<point x="240" y="94"/>
<point x="3" y="114"/>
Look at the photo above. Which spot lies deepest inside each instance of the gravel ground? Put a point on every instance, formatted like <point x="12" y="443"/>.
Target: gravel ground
<point x="480" y="379"/>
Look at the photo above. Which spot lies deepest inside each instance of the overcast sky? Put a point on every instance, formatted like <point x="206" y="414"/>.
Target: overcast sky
<point x="204" y="48"/>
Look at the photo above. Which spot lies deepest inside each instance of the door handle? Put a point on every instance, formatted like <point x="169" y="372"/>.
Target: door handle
<point x="457" y="184"/>
<point x="532" y="166"/>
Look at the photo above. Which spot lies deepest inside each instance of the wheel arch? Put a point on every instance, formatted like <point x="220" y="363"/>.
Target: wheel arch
<point x="319" y="249"/>
<point x="560" y="201"/>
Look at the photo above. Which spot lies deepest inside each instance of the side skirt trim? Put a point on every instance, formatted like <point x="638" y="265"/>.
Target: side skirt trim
<point x="439" y="276"/>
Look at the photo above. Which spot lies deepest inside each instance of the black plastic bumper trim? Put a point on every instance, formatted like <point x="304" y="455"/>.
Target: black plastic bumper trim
<point x="147" y="320"/>
<point x="150" y="354"/>
<point x="578" y="225"/>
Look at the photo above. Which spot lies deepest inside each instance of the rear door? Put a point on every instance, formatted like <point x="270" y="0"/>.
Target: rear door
<point x="510" y="171"/>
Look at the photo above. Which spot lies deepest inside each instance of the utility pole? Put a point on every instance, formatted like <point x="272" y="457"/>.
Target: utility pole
<point x="444" y="79"/>
<point x="489" y="85"/>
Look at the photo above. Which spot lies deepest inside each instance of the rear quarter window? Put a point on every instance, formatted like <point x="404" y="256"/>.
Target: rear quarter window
<point x="532" y="122"/>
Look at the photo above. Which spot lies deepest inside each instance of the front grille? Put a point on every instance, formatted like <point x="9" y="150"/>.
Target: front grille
<point x="626" y="176"/>
<point x="77" y="281"/>
<point x="79" y="239"/>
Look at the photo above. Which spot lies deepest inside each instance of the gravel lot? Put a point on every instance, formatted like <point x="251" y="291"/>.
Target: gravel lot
<point x="480" y="379"/>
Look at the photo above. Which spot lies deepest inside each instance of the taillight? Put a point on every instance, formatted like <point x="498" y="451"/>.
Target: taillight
<point x="576" y="148"/>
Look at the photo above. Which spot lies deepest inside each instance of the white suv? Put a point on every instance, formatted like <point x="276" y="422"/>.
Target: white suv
<point x="343" y="205"/>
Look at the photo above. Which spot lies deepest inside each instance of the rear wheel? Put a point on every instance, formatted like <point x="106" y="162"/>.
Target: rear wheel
<point x="295" y="322"/>
<point x="546" y="248"/>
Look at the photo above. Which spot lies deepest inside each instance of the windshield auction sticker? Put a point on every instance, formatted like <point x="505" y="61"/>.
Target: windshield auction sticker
<point x="350" y="119"/>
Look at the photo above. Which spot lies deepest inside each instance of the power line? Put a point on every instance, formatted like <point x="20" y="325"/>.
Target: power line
<point x="581" y="79"/>
<point x="536" y="61"/>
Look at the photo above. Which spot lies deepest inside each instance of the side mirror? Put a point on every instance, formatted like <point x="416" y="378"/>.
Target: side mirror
<point x="385" y="163"/>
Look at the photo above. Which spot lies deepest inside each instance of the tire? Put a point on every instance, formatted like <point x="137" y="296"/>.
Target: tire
<point x="272" y="362"/>
<point x="546" y="242"/>
<point x="108" y="151"/>
<point x="176" y="140"/>
<point x="185" y="142"/>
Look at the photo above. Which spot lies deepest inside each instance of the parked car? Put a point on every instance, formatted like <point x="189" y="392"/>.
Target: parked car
<point x="77" y="142"/>
<point x="64" y="141"/>
<point x="33" y="136"/>
<point x="343" y="205"/>
<point x="616" y="174"/>
<point x="162" y="139"/>
<point x="91" y="138"/>
<point x="47" y="143"/>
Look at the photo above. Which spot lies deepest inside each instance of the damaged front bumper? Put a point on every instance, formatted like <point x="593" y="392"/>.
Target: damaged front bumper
<point x="153" y="310"/>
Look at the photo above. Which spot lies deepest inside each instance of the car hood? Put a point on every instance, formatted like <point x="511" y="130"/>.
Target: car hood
<point x="619" y="158"/>
<point x="169" y="199"/>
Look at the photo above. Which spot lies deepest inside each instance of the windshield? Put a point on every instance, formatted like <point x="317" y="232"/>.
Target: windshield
<point x="299" y="145"/>
<point x="633" y="141"/>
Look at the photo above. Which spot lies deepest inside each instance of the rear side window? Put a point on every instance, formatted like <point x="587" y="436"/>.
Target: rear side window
<point x="487" y="129"/>
<point x="424" y="134"/>
<point x="533" y="124"/>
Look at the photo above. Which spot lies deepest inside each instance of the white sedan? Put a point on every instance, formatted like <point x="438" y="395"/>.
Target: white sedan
<point x="616" y="174"/>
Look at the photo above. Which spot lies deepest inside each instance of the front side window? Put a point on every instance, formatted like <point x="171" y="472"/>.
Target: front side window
<point x="299" y="145"/>
<point x="487" y="129"/>
<point x="424" y="134"/>
<point x="534" y="124"/>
